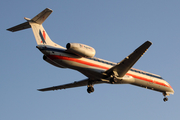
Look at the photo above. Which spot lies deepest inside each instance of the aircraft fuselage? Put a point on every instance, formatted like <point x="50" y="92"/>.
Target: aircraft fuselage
<point x="94" y="67"/>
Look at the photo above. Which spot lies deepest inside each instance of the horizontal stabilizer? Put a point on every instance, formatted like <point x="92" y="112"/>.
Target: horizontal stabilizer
<point x="41" y="17"/>
<point x="22" y="26"/>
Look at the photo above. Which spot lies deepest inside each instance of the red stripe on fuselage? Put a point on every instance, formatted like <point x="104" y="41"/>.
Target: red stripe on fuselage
<point x="106" y="68"/>
<point x="77" y="60"/>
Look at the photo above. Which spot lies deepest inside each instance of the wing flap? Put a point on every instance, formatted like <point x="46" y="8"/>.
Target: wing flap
<point x="125" y="65"/>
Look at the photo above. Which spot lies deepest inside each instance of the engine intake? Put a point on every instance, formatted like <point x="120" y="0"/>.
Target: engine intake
<point x="81" y="50"/>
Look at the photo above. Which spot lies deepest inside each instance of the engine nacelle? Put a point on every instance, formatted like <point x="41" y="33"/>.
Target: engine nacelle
<point x="81" y="50"/>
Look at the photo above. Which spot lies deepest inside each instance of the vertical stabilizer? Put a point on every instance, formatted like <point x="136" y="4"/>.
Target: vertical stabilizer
<point x="41" y="35"/>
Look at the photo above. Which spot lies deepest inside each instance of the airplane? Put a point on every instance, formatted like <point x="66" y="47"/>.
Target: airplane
<point x="80" y="57"/>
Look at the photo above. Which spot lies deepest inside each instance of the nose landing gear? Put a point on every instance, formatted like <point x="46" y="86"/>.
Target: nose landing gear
<point x="165" y="98"/>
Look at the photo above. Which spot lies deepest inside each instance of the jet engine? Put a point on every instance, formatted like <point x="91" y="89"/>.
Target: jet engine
<point x="81" y="50"/>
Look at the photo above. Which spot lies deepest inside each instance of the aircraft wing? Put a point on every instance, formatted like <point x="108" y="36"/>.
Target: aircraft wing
<point x="125" y="65"/>
<point x="70" y="85"/>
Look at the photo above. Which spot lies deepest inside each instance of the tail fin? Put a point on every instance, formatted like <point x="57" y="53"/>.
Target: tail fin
<point x="36" y="24"/>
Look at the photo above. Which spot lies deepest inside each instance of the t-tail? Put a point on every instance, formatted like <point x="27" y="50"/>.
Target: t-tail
<point x="35" y="23"/>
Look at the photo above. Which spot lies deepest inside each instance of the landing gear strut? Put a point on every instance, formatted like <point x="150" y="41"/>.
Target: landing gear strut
<point x="113" y="79"/>
<point x="165" y="98"/>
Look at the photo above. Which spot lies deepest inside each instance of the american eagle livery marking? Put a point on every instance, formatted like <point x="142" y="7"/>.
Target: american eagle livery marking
<point x="80" y="57"/>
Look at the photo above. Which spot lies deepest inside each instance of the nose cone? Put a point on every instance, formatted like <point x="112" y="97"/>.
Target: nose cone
<point x="170" y="90"/>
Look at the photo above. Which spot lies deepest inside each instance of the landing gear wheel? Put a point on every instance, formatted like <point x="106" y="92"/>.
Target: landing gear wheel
<point x="165" y="99"/>
<point x="90" y="89"/>
<point x="113" y="80"/>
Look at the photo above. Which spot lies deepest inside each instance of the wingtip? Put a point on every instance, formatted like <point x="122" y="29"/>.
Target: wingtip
<point x="149" y="42"/>
<point x="49" y="9"/>
<point x="40" y="90"/>
<point x="9" y="30"/>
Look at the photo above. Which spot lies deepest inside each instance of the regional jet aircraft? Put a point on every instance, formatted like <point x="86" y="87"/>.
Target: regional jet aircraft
<point x="80" y="57"/>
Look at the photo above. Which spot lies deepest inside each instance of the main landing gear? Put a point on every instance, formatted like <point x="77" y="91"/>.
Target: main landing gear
<point x="165" y="98"/>
<point x="113" y="78"/>
<point x="90" y="88"/>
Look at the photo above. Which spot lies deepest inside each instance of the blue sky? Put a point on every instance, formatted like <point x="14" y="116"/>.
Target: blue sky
<point x="114" y="28"/>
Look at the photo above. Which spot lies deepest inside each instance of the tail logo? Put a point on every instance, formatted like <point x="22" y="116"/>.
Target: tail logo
<point x="43" y="36"/>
